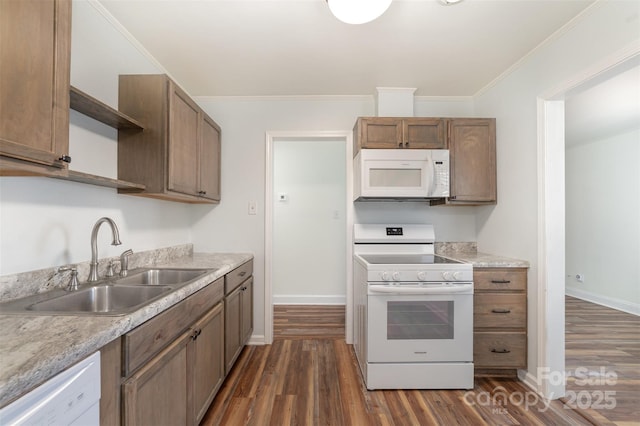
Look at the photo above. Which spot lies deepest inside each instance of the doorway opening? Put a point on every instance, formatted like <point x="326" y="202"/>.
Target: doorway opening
<point x="308" y="237"/>
<point x="551" y="218"/>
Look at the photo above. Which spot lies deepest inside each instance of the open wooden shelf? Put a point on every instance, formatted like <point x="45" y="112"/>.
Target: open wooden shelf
<point x="101" y="181"/>
<point x="92" y="107"/>
<point x="15" y="167"/>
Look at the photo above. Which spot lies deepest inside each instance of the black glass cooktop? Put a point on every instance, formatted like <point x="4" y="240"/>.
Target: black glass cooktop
<point x="406" y="259"/>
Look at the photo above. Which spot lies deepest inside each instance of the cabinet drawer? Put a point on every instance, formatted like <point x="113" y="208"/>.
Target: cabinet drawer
<point x="140" y="344"/>
<point x="500" y="279"/>
<point x="500" y="310"/>
<point x="500" y="350"/>
<point x="237" y="276"/>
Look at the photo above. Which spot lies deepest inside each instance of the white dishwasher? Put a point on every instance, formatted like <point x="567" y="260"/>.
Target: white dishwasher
<point x="70" y="398"/>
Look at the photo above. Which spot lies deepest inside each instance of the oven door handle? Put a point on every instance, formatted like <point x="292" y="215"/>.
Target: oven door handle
<point x="421" y="290"/>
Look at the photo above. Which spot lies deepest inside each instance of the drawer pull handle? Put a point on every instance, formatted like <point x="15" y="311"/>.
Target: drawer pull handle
<point x="243" y="273"/>
<point x="500" y="351"/>
<point x="501" y="311"/>
<point x="500" y="281"/>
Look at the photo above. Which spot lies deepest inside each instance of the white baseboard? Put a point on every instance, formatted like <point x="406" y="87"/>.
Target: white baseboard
<point x="256" y="340"/>
<point x="610" y="302"/>
<point x="292" y="299"/>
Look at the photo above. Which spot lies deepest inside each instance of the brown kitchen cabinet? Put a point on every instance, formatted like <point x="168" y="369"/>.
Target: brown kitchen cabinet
<point x="159" y="392"/>
<point x="207" y="359"/>
<point x="392" y="132"/>
<point x="173" y="364"/>
<point x="472" y="155"/>
<point x="238" y="303"/>
<point x="35" y="49"/>
<point x="500" y="320"/>
<point x="177" y="156"/>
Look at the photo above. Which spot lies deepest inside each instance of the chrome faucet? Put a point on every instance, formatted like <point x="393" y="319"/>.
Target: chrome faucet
<point x="93" y="266"/>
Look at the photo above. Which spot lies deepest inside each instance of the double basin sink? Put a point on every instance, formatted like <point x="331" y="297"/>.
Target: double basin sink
<point x="115" y="296"/>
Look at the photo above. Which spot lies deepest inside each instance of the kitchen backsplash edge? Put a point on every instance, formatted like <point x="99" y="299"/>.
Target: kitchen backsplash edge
<point x="455" y="247"/>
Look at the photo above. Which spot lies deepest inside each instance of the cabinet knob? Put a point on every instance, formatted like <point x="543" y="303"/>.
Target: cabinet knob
<point x="196" y="333"/>
<point x="65" y="158"/>
<point x="501" y="311"/>
<point x="500" y="281"/>
<point x="500" y="351"/>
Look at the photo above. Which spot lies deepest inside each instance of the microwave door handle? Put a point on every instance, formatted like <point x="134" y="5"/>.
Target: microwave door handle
<point x="432" y="174"/>
<point x="420" y="290"/>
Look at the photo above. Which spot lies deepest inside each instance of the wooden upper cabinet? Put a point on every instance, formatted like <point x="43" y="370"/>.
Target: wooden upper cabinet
<point x="184" y="118"/>
<point x="424" y="133"/>
<point x="377" y="133"/>
<point x="35" y="48"/>
<point x="472" y="150"/>
<point x="177" y="156"/>
<point x="391" y="132"/>
<point x="210" y="151"/>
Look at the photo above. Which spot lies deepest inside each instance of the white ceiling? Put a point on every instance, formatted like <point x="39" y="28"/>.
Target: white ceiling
<point x="296" y="47"/>
<point x="607" y="108"/>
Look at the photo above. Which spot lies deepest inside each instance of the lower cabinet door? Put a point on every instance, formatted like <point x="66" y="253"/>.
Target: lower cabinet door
<point x="158" y="393"/>
<point x="207" y="359"/>
<point x="247" y="310"/>
<point x="232" y="330"/>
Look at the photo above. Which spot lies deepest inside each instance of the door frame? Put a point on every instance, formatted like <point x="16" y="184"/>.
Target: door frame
<point x="271" y="138"/>
<point x="550" y="370"/>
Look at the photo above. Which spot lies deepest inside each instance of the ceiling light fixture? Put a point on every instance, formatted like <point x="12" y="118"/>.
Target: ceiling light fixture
<point x="358" y="11"/>
<point x="449" y="2"/>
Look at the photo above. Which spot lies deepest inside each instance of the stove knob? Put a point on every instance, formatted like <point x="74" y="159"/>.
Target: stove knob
<point x="447" y="276"/>
<point x="457" y="276"/>
<point x="385" y="276"/>
<point x="396" y="276"/>
<point x="422" y="276"/>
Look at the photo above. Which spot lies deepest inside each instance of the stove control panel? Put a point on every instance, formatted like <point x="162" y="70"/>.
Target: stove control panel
<point x="439" y="275"/>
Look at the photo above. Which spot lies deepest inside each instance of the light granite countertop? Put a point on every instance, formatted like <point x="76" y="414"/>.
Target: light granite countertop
<point x="467" y="252"/>
<point x="485" y="260"/>
<point x="34" y="347"/>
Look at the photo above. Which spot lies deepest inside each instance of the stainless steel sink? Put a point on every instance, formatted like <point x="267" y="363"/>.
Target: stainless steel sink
<point x="101" y="299"/>
<point x="161" y="277"/>
<point x="112" y="296"/>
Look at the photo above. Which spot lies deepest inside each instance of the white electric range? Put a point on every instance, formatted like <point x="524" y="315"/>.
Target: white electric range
<point x="413" y="310"/>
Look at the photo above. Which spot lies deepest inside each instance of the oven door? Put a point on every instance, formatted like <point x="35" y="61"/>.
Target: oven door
<point x="410" y="327"/>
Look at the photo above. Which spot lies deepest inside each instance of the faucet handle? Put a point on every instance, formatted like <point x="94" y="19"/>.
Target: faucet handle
<point x="73" y="283"/>
<point x="124" y="262"/>
<point x="110" y="273"/>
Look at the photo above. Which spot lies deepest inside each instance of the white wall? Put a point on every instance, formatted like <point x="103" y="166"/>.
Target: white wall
<point x="47" y="222"/>
<point x="309" y="241"/>
<point x="603" y="220"/>
<point x="511" y="228"/>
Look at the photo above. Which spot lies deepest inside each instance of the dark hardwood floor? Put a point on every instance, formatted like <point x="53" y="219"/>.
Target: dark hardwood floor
<point x="602" y="362"/>
<point x="309" y="376"/>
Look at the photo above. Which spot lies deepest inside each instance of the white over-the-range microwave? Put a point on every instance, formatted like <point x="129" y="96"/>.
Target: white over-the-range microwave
<point x="401" y="174"/>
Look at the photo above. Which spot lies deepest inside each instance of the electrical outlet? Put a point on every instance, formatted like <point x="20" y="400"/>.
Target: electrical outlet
<point x="580" y="278"/>
<point x="252" y="208"/>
